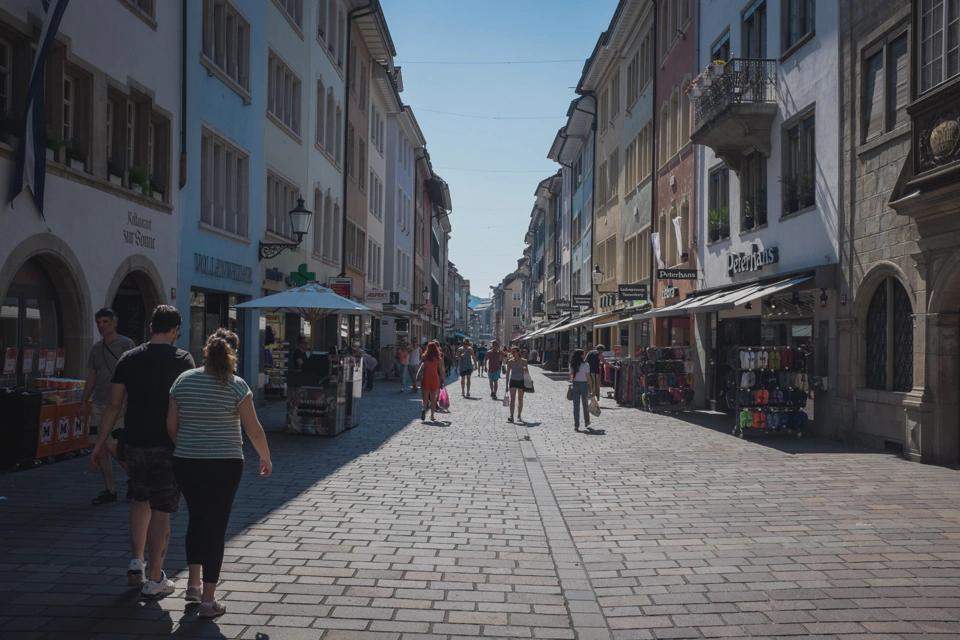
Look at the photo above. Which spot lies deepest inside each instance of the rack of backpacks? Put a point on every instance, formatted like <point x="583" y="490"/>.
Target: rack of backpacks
<point x="666" y="378"/>
<point x="627" y="390"/>
<point x="771" y="393"/>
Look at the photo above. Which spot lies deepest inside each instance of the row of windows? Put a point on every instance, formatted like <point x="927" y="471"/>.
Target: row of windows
<point x="283" y="94"/>
<point x="674" y="124"/>
<point x="402" y="272"/>
<point x="638" y="158"/>
<point x="404" y="211"/>
<point x="636" y="258"/>
<point x="376" y="195"/>
<point x="374" y="262"/>
<point x="329" y="122"/>
<point x="607" y="258"/>
<point x="639" y="69"/>
<point x="326" y="227"/>
<point x="356" y="247"/>
<point x="331" y="29"/>
<point x="674" y="230"/>
<point x="377" y="128"/>
<point x="608" y="178"/>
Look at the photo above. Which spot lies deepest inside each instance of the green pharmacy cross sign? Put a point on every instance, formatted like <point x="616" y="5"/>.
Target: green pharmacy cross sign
<point x="301" y="276"/>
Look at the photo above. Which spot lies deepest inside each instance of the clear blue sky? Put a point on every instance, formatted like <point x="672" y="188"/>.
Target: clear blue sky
<point x="506" y="158"/>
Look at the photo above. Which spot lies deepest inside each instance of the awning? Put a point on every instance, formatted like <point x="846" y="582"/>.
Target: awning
<point x="400" y="313"/>
<point x="560" y="326"/>
<point x="542" y="331"/>
<point x="589" y="319"/>
<point x="460" y="335"/>
<point x="723" y="300"/>
<point x="613" y="323"/>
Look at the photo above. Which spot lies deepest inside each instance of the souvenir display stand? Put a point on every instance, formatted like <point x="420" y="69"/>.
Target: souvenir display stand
<point x="276" y="367"/>
<point x="328" y="406"/>
<point x="41" y="423"/>
<point x="771" y="391"/>
<point x="666" y="377"/>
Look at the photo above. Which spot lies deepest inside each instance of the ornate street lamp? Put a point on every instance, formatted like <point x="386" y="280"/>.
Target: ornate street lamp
<point x="299" y="222"/>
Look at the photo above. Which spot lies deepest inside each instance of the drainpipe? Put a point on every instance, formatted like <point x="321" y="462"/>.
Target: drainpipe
<point x="183" y="94"/>
<point x="593" y="187"/>
<point x="360" y="12"/>
<point x="653" y="154"/>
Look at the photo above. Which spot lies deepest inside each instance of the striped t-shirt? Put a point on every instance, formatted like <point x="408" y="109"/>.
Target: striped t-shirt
<point x="209" y="420"/>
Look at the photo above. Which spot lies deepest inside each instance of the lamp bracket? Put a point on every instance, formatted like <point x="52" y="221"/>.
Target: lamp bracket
<point x="273" y="249"/>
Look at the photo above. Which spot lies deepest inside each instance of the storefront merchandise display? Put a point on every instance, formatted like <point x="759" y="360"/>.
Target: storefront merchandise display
<point x="772" y="390"/>
<point x="667" y="379"/>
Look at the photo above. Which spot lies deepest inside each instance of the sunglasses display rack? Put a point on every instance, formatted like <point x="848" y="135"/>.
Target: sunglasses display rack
<point x="771" y="391"/>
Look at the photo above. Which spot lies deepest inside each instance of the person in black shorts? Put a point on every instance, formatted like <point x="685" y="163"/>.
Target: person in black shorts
<point x="595" y="359"/>
<point x="143" y="378"/>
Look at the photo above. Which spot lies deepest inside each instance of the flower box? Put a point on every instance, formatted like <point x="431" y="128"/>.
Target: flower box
<point x="158" y="196"/>
<point x="137" y="188"/>
<point x="117" y="180"/>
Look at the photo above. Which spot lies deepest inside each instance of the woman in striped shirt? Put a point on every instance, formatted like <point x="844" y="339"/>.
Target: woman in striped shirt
<point x="207" y="407"/>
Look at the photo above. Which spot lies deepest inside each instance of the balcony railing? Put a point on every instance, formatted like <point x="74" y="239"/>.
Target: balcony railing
<point x="744" y="80"/>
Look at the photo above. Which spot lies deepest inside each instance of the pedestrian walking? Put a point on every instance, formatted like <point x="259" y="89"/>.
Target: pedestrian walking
<point x="207" y="407"/>
<point x="432" y="373"/>
<point x="101" y="363"/>
<point x="494" y="360"/>
<point x="595" y="359"/>
<point x="579" y="370"/>
<point x="447" y="357"/>
<point x="466" y="360"/>
<point x="403" y="358"/>
<point x="482" y="357"/>
<point x="142" y="379"/>
<point x="413" y="366"/>
<point x="516" y="368"/>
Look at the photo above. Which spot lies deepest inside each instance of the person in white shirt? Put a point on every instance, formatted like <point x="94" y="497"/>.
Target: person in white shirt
<point x="413" y="364"/>
<point x="579" y="371"/>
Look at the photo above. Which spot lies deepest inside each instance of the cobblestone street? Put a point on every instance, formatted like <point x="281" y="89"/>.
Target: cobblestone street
<point x="659" y="528"/>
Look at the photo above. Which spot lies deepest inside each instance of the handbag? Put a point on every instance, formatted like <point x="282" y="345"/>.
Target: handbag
<point x="594" y="407"/>
<point x="527" y="383"/>
<point x="506" y="399"/>
<point x="570" y="392"/>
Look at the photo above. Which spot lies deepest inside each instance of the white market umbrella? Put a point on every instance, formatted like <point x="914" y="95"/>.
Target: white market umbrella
<point x="312" y="302"/>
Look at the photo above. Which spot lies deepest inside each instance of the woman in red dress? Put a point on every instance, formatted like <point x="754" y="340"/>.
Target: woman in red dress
<point x="431" y="374"/>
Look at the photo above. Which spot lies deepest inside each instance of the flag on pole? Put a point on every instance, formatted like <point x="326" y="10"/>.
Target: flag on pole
<point x="655" y="241"/>
<point x="31" y="168"/>
<point x="678" y="234"/>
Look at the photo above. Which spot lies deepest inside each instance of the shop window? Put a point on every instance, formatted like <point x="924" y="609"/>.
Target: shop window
<point x="30" y="320"/>
<point x="753" y="191"/>
<point x="283" y="94"/>
<point x="939" y="23"/>
<point x="886" y="85"/>
<point x="889" y="338"/>
<point x="224" y="180"/>
<point x="797" y="18"/>
<point x="719" y="203"/>
<point x="281" y="200"/>
<point x="226" y="43"/>
<point x="800" y="164"/>
<point x="210" y="311"/>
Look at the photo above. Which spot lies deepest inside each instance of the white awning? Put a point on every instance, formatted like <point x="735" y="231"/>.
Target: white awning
<point x="589" y="319"/>
<point x="723" y="300"/>
<point x="613" y="323"/>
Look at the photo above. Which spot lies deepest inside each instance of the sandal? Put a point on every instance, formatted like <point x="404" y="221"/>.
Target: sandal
<point x="105" y="497"/>
<point x="212" y="609"/>
<point x="423" y="415"/>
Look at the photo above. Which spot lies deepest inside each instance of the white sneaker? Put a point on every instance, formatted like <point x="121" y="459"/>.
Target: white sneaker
<point x="162" y="587"/>
<point x="136" y="573"/>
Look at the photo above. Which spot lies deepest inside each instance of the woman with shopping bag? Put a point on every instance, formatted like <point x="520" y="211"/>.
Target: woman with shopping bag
<point x="431" y="374"/>
<point x="579" y="388"/>
<point x="516" y="369"/>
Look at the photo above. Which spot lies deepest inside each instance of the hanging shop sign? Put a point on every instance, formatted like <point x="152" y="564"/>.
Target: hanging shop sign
<point x="756" y="260"/>
<point x="632" y="292"/>
<point x="582" y="300"/>
<point x="553" y="316"/>
<point x="341" y="286"/>
<point x="564" y="305"/>
<point x="378" y="296"/>
<point x="210" y="266"/>
<point x="669" y="292"/>
<point x="539" y="314"/>
<point x="676" y="274"/>
<point x="273" y="274"/>
<point x="394" y="297"/>
<point x="301" y="276"/>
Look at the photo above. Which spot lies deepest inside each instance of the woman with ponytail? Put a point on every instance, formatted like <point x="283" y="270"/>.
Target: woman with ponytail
<point x="207" y="407"/>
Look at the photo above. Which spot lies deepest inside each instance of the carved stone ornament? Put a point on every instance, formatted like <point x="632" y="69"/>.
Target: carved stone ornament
<point x="939" y="139"/>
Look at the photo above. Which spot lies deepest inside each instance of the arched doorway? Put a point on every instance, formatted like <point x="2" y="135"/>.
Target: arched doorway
<point x="32" y="325"/>
<point x="131" y="309"/>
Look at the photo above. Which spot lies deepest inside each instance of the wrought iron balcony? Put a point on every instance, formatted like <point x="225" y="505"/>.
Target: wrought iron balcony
<point x="736" y="108"/>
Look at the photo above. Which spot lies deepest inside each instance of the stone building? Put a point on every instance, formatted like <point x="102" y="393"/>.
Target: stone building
<point x="898" y="229"/>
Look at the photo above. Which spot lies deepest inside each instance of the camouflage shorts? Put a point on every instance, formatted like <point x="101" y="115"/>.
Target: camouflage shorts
<point x="151" y="477"/>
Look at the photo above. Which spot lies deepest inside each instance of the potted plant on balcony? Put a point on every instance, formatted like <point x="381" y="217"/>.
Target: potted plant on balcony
<point x="724" y="222"/>
<point x="76" y="157"/>
<point x="139" y="180"/>
<point x="748" y="215"/>
<point x="115" y="172"/>
<point x="714" y="233"/>
<point x="10" y="129"/>
<point x="55" y="143"/>
<point x="718" y="66"/>
<point x="790" y="200"/>
<point x="157" y="188"/>
<point x="806" y="188"/>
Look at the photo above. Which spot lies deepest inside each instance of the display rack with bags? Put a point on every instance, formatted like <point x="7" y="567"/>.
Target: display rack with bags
<point x="771" y="391"/>
<point x="667" y="379"/>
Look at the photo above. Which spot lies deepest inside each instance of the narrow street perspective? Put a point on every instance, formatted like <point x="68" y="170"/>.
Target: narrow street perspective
<point x="663" y="527"/>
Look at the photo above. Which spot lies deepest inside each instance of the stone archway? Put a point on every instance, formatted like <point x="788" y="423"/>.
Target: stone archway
<point x="143" y="274"/>
<point x="70" y="284"/>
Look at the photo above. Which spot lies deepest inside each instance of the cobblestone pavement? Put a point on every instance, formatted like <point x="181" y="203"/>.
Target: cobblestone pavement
<point x="660" y="528"/>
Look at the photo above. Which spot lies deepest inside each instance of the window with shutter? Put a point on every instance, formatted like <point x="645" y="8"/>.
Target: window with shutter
<point x="886" y="84"/>
<point x="873" y="96"/>
<point x="898" y="82"/>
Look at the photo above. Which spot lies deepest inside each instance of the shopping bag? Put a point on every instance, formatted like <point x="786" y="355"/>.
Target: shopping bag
<point x="527" y="383"/>
<point x="570" y="392"/>
<point x="443" y="401"/>
<point x="506" y="399"/>
<point x="594" y="407"/>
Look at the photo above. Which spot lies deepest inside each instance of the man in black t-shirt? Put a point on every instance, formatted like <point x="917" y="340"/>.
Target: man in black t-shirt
<point x="594" y="359"/>
<point x="143" y="378"/>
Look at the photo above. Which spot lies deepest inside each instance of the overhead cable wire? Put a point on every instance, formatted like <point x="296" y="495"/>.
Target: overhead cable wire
<point x="482" y="62"/>
<point x="466" y="115"/>
<point x="491" y="170"/>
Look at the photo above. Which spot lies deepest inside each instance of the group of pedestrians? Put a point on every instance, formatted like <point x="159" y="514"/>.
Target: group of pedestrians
<point x="176" y="429"/>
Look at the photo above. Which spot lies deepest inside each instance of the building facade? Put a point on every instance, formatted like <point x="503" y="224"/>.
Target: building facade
<point x="109" y="231"/>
